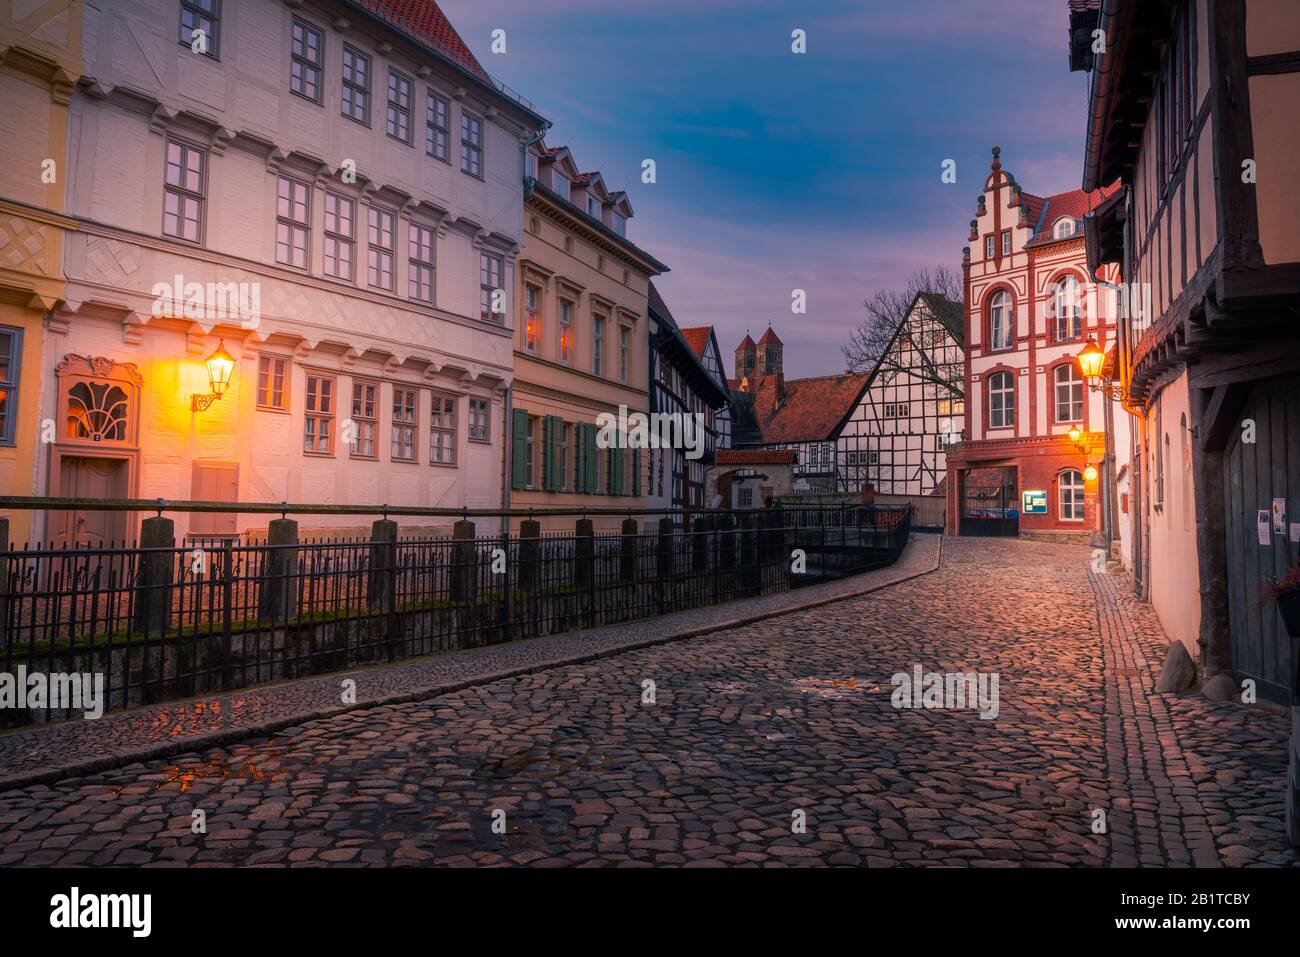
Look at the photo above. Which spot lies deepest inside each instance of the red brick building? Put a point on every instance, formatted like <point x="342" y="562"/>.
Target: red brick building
<point x="1035" y="455"/>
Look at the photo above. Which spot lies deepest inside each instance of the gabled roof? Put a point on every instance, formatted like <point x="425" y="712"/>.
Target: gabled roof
<point x="949" y="314"/>
<point x="770" y="338"/>
<point x="756" y="456"/>
<point x="807" y="410"/>
<point x="697" y="337"/>
<point x="746" y="343"/>
<point x="423" y="20"/>
<point x="672" y="345"/>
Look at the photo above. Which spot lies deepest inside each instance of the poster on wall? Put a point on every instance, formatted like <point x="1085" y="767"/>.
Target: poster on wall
<point x="1279" y="516"/>
<point x="1264" y="526"/>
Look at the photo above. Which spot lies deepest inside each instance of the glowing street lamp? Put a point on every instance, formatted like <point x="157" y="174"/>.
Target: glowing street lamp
<point x="220" y="364"/>
<point x="1091" y="359"/>
<point x="1090" y="473"/>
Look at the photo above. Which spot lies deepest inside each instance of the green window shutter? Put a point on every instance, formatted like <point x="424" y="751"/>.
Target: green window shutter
<point x="519" y="449"/>
<point x="548" y="481"/>
<point x="617" y="457"/>
<point x="592" y="461"/>
<point x="636" y="472"/>
<point x="553" y="452"/>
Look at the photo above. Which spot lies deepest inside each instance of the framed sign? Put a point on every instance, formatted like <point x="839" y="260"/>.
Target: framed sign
<point x="1033" y="502"/>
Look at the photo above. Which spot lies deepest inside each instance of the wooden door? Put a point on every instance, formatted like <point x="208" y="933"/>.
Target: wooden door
<point x="85" y="477"/>
<point x="1254" y="474"/>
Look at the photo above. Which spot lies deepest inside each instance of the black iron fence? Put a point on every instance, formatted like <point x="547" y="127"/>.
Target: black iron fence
<point x="161" y="622"/>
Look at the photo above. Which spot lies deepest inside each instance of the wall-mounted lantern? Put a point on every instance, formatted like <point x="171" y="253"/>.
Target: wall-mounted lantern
<point x="220" y="364"/>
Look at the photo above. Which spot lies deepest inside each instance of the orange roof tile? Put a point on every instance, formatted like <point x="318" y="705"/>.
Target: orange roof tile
<point x="807" y="409"/>
<point x="697" y="337"/>
<point x="756" y="456"/>
<point x="423" y="20"/>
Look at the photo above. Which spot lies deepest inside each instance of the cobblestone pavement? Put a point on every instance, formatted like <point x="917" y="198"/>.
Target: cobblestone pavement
<point x="752" y="730"/>
<point x="52" y="752"/>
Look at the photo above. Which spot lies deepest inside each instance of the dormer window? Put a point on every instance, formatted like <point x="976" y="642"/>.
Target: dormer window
<point x="530" y="165"/>
<point x="559" y="184"/>
<point x="1064" y="228"/>
<point x="620" y="224"/>
<point x="593" y="207"/>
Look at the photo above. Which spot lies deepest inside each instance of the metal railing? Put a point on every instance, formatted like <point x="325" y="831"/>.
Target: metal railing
<point x="162" y="623"/>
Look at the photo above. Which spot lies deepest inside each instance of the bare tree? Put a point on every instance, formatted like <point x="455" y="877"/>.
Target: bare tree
<point x="917" y="346"/>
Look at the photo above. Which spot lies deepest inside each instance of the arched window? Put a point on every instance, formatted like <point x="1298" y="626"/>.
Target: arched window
<point x="1000" y="323"/>
<point x="1070" y="496"/>
<point x="1066" y="309"/>
<point x="1002" y="400"/>
<point x="1064" y="228"/>
<point x="1069" y="393"/>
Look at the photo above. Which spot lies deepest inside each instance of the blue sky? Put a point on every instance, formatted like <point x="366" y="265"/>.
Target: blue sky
<point x="778" y="171"/>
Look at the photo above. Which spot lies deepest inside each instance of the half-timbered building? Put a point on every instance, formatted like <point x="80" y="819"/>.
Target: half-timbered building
<point x="704" y="343"/>
<point x="680" y="386"/>
<point x="913" y="407"/>
<point x="1192" y="107"/>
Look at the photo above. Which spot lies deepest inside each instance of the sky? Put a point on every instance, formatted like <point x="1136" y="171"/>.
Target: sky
<point x="779" y="171"/>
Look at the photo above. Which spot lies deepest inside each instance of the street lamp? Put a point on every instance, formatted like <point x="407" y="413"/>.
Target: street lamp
<point x="1075" y="435"/>
<point x="1090" y="473"/>
<point x="1091" y="360"/>
<point x="220" y="364"/>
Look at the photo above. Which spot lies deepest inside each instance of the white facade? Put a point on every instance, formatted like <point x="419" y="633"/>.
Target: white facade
<point x="912" y="408"/>
<point x="364" y="254"/>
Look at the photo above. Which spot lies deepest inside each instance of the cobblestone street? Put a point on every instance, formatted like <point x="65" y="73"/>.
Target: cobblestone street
<point x="752" y="730"/>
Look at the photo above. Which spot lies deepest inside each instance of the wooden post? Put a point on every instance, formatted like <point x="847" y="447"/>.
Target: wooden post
<point x="153" y="589"/>
<point x="278" y="598"/>
<point x="584" y="552"/>
<point x="464" y="569"/>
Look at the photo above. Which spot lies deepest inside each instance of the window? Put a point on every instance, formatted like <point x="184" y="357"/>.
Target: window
<point x="530" y="166"/>
<point x="1000" y="330"/>
<point x="200" y="15"/>
<point x="1064" y="228"/>
<point x="442" y="430"/>
<point x="365" y="401"/>
<point x="272" y="382"/>
<point x="1070" y="493"/>
<point x="1158" y="501"/>
<point x="1066" y="310"/>
<point x="292" y="222"/>
<point x="990" y="246"/>
<point x="306" y="58"/>
<point x="624" y="353"/>
<point x="620" y="224"/>
<point x="381" y="248"/>
<point x="873" y="458"/>
<point x="593" y="207"/>
<point x="183" y="191"/>
<point x="11" y="347"/>
<point x="532" y="321"/>
<point x="318" y="421"/>
<point x="489" y="269"/>
<point x="566" y="331"/>
<point x="420" y="246"/>
<point x="471" y="144"/>
<point x="530" y="452"/>
<point x="405" y="410"/>
<point x="1069" y="393"/>
<point x="897" y="410"/>
<point x="745" y="497"/>
<point x="559" y="184"/>
<point x="399" y="106"/>
<point x="356" y="85"/>
<point x="1002" y="400"/>
<point x="339" y="244"/>
<point x="597" y="343"/>
<point x="1006" y="243"/>
<point x="478" y="420"/>
<point x="437" y="130"/>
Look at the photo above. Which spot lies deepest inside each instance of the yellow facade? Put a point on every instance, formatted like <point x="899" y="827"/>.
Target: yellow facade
<point x="560" y="387"/>
<point x="40" y="64"/>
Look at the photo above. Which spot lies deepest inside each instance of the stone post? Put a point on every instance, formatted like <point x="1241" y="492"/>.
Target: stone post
<point x="383" y="563"/>
<point x="628" y="551"/>
<point x="279" y="594"/>
<point x="584" y="552"/>
<point x="153" y="588"/>
<point x="464" y="568"/>
<point x="530" y="532"/>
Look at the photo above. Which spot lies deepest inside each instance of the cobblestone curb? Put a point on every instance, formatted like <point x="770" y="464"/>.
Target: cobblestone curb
<point x="923" y="556"/>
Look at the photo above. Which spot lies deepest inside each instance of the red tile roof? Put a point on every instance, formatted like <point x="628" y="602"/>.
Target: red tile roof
<point x="746" y="343"/>
<point x="697" y="337"/>
<point x="806" y="409"/>
<point x="423" y="20"/>
<point x="756" y="456"/>
<point x="770" y="338"/>
<point x="1074" y="204"/>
